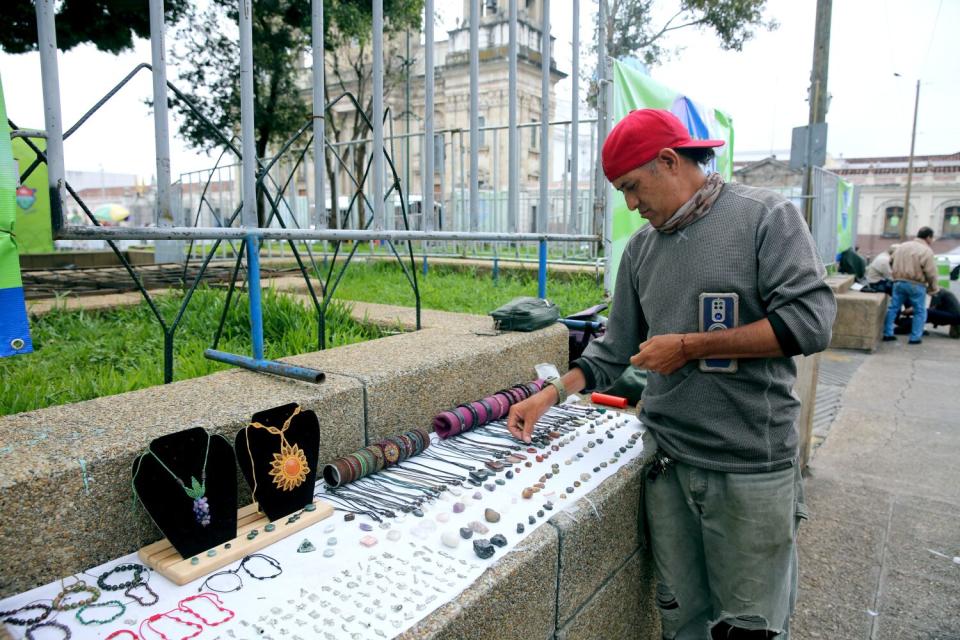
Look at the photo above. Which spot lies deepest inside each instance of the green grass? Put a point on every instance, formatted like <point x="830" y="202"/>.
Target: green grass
<point x="80" y="355"/>
<point x="465" y="291"/>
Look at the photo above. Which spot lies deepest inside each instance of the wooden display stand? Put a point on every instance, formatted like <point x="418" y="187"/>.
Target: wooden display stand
<point x="164" y="559"/>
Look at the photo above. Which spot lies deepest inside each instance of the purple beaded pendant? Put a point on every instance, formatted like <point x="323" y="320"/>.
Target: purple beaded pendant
<point x="201" y="508"/>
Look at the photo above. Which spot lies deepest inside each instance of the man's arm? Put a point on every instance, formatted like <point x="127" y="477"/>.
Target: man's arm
<point x="929" y="265"/>
<point x="667" y="353"/>
<point x="524" y="415"/>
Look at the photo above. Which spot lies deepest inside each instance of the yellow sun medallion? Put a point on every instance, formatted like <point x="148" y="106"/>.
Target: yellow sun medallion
<point x="289" y="467"/>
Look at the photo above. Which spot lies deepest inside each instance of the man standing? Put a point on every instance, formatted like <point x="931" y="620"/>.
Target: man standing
<point x="726" y="500"/>
<point x="914" y="273"/>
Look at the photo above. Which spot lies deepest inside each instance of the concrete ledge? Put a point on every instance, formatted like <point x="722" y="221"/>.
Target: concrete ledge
<point x="840" y="282"/>
<point x="623" y="607"/>
<point x="597" y="537"/>
<point x="859" y="322"/>
<point x="516" y="598"/>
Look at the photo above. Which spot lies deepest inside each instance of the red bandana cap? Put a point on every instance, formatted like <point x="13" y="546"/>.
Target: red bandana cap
<point x="639" y="137"/>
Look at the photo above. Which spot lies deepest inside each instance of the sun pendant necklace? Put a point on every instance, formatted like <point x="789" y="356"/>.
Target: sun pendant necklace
<point x="288" y="469"/>
<point x="197" y="490"/>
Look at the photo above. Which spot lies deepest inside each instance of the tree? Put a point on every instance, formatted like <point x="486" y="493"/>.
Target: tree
<point x="207" y="58"/>
<point x="630" y="29"/>
<point x="109" y="24"/>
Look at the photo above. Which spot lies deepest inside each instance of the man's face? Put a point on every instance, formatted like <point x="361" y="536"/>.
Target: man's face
<point x="648" y="191"/>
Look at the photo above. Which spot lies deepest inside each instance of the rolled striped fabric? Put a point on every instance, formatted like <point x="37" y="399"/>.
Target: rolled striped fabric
<point x="466" y="416"/>
<point x="375" y="457"/>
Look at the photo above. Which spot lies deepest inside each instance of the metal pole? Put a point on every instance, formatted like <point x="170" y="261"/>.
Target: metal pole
<point x="513" y="160"/>
<point x="607" y="202"/>
<point x="428" y="135"/>
<point x="566" y="165"/>
<point x="913" y="140"/>
<point x="818" y="95"/>
<point x="248" y="214"/>
<point x="377" y="115"/>
<point x="407" y="187"/>
<point x="542" y="217"/>
<point x="160" y="126"/>
<point x="320" y="216"/>
<point x="575" y="117"/>
<point x="50" y="81"/>
<point x="474" y="112"/>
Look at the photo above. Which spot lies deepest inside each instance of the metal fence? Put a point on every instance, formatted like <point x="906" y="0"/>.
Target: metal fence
<point x="238" y="222"/>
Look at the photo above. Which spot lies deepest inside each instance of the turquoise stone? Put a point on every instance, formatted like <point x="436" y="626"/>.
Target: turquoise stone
<point x="310" y="507"/>
<point x="194" y="560"/>
<point x="252" y="535"/>
<point x="211" y="552"/>
<point x="270" y="527"/>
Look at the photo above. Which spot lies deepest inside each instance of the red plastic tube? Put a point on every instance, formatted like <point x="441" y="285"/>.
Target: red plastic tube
<point x="610" y="401"/>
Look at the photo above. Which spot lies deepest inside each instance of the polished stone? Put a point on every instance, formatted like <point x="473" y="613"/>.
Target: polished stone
<point x="498" y="540"/>
<point x="459" y="507"/>
<point x="491" y="516"/>
<point x="478" y="527"/>
<point x="466" y="533"/>
<point x="478" y="496"/>
<point x="540" y="513"/>
<point x="366" y="526"/>
<point x="509" y="475"/>
<point x="368" y="540"/>
<point x="443" y="516"/>
<point x="331" y="541"/>
<point x="483" y="548"/>
<point x="349" y="516"/>
<point x="393" y="535"/>
<point x="450" y="539"/>
<point x="527" y="493"/>
<point x="500" y="481"/>
<point x="520" y="527"/>
<point x="306" y="547"/>
<point x="328" y="553"/>
<point x="532" y="520"/>
<point x="490" y="486"/>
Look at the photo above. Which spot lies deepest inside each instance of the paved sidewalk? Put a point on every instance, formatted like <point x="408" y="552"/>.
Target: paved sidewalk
<point x="884" y="497"/>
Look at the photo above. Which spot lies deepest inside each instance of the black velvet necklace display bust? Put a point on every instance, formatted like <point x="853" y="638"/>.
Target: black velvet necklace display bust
<point x="278" y="454"/>
<point x="178" y="515"/>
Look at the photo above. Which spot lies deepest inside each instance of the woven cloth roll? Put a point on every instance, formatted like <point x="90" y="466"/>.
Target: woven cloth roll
<point x="375" y="457"/>
<point x="451" y="422"/>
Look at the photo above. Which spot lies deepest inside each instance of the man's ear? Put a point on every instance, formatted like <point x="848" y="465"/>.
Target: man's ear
<point x="670" y="159"/>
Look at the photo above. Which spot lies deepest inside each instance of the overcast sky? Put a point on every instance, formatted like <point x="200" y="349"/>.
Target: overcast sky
<point x="763" y="88"/>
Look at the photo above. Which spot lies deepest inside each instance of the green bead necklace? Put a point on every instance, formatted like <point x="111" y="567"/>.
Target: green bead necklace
<point x="197" y="490"/>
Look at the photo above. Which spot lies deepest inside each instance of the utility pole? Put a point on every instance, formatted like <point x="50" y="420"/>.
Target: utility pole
<point x="819" y="98"/>
<point x="913" y="140"/>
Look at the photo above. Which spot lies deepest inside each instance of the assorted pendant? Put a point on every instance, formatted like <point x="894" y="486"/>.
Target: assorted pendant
<point x="289" y="467"/>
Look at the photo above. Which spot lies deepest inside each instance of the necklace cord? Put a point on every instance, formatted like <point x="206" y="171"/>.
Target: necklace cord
<point x="275" y="431"/>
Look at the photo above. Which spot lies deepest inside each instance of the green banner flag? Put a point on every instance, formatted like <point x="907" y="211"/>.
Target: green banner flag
<point x="14" y="330"/>
<point x="633" y="89"/>
<point x="34" y="230"/>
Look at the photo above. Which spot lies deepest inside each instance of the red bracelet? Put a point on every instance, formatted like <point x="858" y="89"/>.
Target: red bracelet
<point x="210" y="597"/>
<point x="169" y="614"/>
<point x="116" y="634"/>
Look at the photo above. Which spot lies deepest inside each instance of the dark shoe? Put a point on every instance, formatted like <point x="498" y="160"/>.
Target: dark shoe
<point x="915" y="342"/>
<point x="955" y="331"/>
<point x="889" y="338"/>
<point x="925" y="332"/>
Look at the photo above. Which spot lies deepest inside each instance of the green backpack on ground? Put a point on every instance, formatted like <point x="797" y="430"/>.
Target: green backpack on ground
<point x="525" y="314"/>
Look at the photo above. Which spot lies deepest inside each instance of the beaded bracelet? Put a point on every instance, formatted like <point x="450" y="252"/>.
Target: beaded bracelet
<point x="142" y="601"/>
<point x="78" y="587"/>
<point x="137" y="569"/>
<point x="119" y="632"/>
<point x="56" y="625"/>
<point x="109" y="603"/>
<point x="26" y="622"/>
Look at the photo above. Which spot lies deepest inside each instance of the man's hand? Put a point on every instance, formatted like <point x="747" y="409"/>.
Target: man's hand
<point x="663" y="354"/>
<point x="523" y="416"/>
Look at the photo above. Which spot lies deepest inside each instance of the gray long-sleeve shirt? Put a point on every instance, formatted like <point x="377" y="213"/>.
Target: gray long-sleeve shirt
<point x="755" y="244"/>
